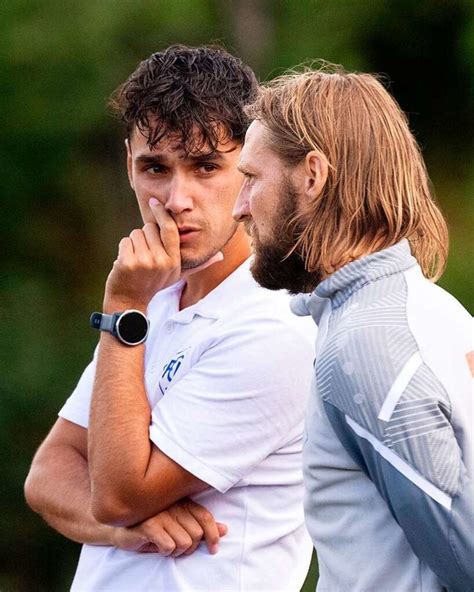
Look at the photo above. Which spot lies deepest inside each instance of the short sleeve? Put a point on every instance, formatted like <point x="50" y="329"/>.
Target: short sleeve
<point x="76" y="408"/>
<point x="238" y="404"/>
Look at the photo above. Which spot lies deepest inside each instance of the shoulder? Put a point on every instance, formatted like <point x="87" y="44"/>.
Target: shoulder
<point x="394" y="324"/>
<point x="434" y="312"/>
<point x="264" y="328"/>
<point x="266" y="314"/>
<point x="442" y="330"/>
<point x="372" y="360"/>
<point x="380" y="385"/>
<point x="260" y="343"/>
<point x="432" y="303"/>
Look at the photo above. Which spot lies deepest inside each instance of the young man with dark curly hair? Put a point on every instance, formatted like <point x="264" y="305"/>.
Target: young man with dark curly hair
<point x="196" y="392"/>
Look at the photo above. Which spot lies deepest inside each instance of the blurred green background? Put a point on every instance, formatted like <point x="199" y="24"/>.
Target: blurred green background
<point x="66" y="202"/>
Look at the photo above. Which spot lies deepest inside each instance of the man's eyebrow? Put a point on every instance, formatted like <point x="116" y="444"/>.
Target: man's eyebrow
<point x="192" y="158"/>
<point x="150" y="159"/>
<point x="203" y="157"/>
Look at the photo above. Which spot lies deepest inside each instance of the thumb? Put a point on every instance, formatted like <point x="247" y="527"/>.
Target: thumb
<point x="222" y="528"/>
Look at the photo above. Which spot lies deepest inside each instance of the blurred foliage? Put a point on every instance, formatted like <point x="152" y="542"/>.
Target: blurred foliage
<point x="66" y="202"/>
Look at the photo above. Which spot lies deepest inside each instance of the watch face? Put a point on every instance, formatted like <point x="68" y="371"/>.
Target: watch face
<point x="132" y="327"/>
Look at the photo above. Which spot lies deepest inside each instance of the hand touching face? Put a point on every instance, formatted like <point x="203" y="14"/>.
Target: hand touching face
<point x="148" y="261"/>
<point x="198" y="190"/>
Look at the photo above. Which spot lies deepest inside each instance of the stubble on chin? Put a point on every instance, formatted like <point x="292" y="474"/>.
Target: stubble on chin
<point x="193" y="262"/>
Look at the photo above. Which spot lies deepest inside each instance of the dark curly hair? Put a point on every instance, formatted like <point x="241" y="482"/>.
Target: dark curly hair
<point x="196" y="92"/>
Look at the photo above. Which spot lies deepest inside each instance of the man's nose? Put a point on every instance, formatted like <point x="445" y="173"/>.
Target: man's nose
<point x="241" y="208"/>
<point x="179" y="198"/>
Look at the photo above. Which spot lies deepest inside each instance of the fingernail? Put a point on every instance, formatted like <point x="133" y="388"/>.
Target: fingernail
<point x="153" y="201"/>
<point x="214" y="549"/>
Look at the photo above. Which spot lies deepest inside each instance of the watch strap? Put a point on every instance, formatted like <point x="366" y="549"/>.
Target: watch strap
<point x="112" y="323"/>
<point x="104" y="322"/>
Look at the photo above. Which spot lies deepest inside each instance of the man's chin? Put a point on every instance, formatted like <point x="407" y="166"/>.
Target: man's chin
<point x="189" y="262"/>
<point x="273" y="271"/>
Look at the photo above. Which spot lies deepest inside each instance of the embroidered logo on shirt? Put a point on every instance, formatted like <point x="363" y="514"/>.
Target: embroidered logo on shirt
<point x="170" y="369"/>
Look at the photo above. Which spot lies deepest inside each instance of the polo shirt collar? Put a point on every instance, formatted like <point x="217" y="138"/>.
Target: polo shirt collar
<point x="214" y="304"/>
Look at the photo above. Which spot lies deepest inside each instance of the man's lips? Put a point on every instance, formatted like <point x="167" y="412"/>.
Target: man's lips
<point x="185" y="229"/>
<point x="186" y="233"/>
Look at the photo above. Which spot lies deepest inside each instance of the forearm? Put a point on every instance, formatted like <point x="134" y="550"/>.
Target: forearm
<point x="119" y="444"/>
<point x="60" y="493"/>
<point x="131" y="479"/>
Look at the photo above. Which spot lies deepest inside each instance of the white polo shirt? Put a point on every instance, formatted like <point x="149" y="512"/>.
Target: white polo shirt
<point x="228" y="380"/>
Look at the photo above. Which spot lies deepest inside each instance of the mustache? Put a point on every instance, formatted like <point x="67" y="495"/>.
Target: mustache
<point x="250" y="227"/>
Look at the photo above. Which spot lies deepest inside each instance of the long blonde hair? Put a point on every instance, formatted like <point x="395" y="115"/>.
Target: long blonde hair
<point x="377" y="191"/>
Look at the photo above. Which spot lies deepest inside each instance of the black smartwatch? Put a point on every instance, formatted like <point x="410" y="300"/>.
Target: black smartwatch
<point x="130" y="326"/>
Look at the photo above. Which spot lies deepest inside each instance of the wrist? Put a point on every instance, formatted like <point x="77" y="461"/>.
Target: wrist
<point x="130" y="326"/>
<point x="113" y="305"/>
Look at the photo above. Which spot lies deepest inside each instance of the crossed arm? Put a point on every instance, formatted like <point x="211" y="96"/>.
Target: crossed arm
<point x="58" y="488"/>
<point x="131" y="479"/>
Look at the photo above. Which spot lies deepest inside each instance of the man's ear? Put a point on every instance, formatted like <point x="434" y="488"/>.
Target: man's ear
<point x="129" y="163"/>
<point x="316" y="173"/>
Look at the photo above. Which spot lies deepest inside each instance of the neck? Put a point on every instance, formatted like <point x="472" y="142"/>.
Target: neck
<point x="199" y="284"/>
<point x="363" y="249"/>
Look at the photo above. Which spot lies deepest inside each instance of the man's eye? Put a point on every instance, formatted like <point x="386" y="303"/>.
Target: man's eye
<point x="207" y="167"/>
<point x="156" y="169"/>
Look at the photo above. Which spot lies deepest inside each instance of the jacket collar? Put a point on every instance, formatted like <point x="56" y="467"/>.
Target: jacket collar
<point x="339" y="286"/>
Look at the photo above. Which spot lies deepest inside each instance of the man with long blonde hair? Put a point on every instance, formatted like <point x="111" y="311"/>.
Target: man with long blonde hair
<point x="338" y="203"/>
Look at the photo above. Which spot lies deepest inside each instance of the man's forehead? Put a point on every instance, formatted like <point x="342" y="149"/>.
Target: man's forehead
<point x="254" y="142"/>
<point x="172" y="145"/>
